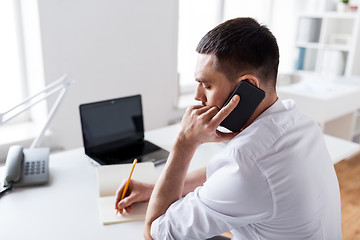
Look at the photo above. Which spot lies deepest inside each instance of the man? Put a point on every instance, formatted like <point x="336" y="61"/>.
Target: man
<point x="273" y="180"/>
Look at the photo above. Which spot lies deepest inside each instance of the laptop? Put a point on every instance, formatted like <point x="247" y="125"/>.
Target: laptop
<point x="113" y="132"/>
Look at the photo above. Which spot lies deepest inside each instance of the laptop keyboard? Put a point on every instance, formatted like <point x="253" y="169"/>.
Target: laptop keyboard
<point x="127" y="154"/>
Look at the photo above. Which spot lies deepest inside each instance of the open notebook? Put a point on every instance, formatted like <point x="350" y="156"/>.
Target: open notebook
<point x="109" y="179"/>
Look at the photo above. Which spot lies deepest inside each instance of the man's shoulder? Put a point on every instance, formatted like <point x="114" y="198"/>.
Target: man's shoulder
<point x="277" y="123"/>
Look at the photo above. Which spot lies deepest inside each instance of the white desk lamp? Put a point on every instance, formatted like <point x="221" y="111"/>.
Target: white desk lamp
<point x="15" y="168"/>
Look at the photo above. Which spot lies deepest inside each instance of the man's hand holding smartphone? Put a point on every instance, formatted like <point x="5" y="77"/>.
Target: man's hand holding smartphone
<point x="251" y="96"/>
<point x="200" y="123"/>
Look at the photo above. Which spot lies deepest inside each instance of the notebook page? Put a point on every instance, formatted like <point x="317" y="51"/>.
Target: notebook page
<point x="111" y="176"/>
<point x="108" y="213"/>
<point x="109" y="179"/>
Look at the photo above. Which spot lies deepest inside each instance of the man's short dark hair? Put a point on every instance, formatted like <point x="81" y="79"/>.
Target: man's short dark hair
<point x="242" y="46"/>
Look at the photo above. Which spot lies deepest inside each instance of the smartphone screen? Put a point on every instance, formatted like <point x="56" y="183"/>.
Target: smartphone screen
<point x="250" y="98"/>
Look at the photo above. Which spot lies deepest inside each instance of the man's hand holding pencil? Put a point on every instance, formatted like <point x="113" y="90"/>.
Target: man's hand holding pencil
<point x="131" y="191"/>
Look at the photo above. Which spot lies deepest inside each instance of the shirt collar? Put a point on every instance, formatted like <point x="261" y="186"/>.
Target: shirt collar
<point x="278" y="106"/>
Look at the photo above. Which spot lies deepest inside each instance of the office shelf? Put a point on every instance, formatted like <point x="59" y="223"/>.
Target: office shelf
<point x="327" y="42"/>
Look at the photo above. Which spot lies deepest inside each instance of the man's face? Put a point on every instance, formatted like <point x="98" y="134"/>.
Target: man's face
<point x="213" y="88"/>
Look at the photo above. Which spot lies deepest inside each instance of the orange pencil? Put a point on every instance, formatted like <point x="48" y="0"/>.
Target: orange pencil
<point x="127" y="183"/>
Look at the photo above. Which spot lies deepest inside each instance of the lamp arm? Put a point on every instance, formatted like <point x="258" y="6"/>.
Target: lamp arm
<point x="4" y="120"/>
<point x="52" y="112"/>
<point x="57" y="82"/>
<point x="61" y="84"/>
<point x="62" y="80"/>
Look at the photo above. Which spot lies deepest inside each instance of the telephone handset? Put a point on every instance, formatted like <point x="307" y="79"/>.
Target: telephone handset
<point x="26" y="167"/>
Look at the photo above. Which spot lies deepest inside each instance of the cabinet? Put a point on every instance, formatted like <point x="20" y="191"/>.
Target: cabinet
<point x="356" y="135"/>
<point x="328" y="43"/>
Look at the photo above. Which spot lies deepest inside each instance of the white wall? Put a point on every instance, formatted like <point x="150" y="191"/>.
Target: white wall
<point x="111" y="48"/>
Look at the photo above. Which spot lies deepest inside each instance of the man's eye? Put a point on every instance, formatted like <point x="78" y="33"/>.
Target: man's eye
<point x="207" y="87"/>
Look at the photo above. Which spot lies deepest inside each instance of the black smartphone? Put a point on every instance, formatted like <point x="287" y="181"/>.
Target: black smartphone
<point x="250" y="98"/>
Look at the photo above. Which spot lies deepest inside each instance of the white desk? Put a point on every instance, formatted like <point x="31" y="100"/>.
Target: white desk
<point x="332" y="104"/>
<point x="340" y="149"/>
<point x="67" y="208"/>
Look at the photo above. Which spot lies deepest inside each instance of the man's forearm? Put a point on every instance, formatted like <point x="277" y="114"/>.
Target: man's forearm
<point x="170" y="185"/>
<point x="193" y="180"/>
<point x="199" y="125"/>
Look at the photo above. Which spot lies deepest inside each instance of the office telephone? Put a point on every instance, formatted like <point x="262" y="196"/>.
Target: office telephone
<point x="26" y="167"/>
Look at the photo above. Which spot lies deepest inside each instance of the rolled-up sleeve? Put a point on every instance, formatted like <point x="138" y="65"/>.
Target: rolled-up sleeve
<point x="229" y="199"/>
<point x="189" y="218"/>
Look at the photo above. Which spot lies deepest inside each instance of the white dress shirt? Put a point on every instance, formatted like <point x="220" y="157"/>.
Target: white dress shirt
<point x="274" y="180"/>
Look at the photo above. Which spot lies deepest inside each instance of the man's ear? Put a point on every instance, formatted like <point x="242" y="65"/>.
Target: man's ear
<point x="251" y="79"/>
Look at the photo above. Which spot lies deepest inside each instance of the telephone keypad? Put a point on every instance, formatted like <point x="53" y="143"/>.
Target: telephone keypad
<point x="35" y="167"/>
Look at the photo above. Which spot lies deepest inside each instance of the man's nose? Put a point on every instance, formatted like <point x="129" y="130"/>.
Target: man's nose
<point x="199" y="94"/>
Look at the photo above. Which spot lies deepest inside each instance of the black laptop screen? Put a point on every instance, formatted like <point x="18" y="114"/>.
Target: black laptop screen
<point x="112" y="123"/>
